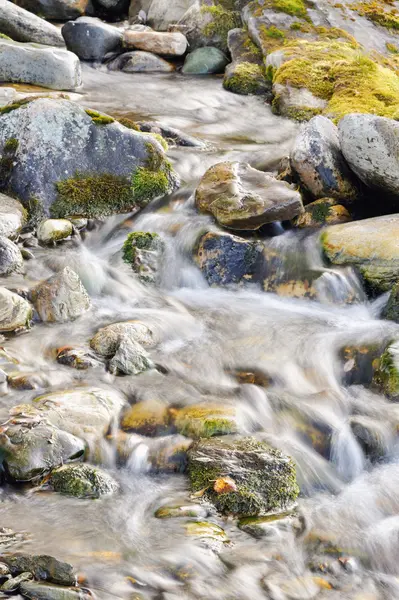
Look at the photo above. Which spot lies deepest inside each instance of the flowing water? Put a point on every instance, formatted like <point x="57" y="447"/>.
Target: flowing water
<point x="204" y="335"/>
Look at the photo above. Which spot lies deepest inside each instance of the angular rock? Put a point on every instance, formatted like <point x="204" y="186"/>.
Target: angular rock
<point x="318" y="161"/>
<point x="246" y="75"/>
<point x="83" y="481"/>
<point x="138" y="61"/>
<point x="77" y="358"/>
<point x="15" y="312"/>
<point x="205" y="61"/>
<point x="296" y="103"/>
<point x="240" y="197"/>
<point x="42" y="566"/>
<point x="130" y="358"/>
<point x="264" y="478"/>
<point x="61" y="298"/>
<point x="54" y="230"/>
<point x="163" y="13"/>
<point x="325" y="211"/>
<point x="107" y="339"/>
<point x="42" y="591"/>
<point x="12" y="585"/>
<point x="149" y="417"/>
<point x="23" y="26"/>
<point x="208" y="25"/>
<point x="370" y="246"/>
<point x="166" y="44"/>
<point x="391" y="310"/>
<point x="370" y="145"/>
<point x="10" y="257"/>
<point x="90" y="38"/>
<point x="144" y="252"/>
<point x="205" y="420"/>
<point x="58" y="10"/>
<point x="52" y="68"/>
<point x="12" y="217"/>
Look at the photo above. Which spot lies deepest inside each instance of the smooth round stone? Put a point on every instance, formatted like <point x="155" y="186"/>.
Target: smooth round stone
<point x="10" y="257"/>
<point x="12" y="216"/>
<point x="205" y="61"/>
<point x="54" y="230"/>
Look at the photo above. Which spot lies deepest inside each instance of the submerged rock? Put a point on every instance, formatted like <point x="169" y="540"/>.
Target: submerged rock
<point x="264" y="478"/>
<point x="240" y="197"/>
<point x="170" y="134"/>
<point x="144" y="252"/>
<point x="61" y="298"/>
<point x="52" y="68"/>
<point x="10" y="257"/>
<point x="82" y="481"/>
<point x="43" y="591"/>
<point x="22" y="26"/>
<point x="139" y="61"/>
<point x="58" y="10"/>
<point x="54" y="230"/>
<point x="107" y="339"/>
<point x="15" y="312"/>
<point x="168" y="44"/>
<point x="178" y="511"/>
<point x="77" y="358"/>
<point x="207" y="534"/>
<point x="149" y="417"/>
<point x="273" y="526"/>
<point x="325" y="211"/>
<point x="90" y="38"/>
<point x="12" y="217"/>
<point x="205" y="420"/>
<point x="205" y="61"/>
<point x="42" y="566"/>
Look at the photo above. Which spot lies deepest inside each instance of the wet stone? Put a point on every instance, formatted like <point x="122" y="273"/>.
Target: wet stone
<point x="83" y="481"/>
<point x="10" y="257"/>
<point x="12" y="585"/>
<point x="174" y="512"/>
<point x="130" y="358"/>
<point x="15" y="312"/>
<point x="273" y="527"/>
<point x="207" y="534"/>
<point x="43" y="567"/>
<point x="41" y="591"/>
<point x="149" y="417"/>
<point x="205" y="420"/>
<point x="54" y="230"/>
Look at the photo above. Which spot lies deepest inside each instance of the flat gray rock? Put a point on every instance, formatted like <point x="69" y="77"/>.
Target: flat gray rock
<point x="53" y="68"/>
<point x="22" y="26"/>
<point x="90" y="38"/>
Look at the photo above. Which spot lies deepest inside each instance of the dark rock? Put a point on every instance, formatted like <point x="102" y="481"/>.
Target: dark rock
<point x="23" y="26"/>
<point x="43" y="567"/>
<point x="325" y="211"/>
<point x="90" y="38"/>
<point x="41" y="591"/>
<point x="55" y="9"/>
<point x="391" y="310"/>
<point x="205" y="61"/>
<point x="171" y="135"/>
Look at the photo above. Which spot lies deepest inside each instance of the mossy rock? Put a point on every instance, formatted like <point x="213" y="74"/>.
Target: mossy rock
<point x="271" y="526"/>
<point x="391" y="310"/>
<point x="180" y="511"/>
<point x="82" y="481"/>
<point x="143" y="251"/>
<point x="386" y="377"/>
<point x="220" y="20"/>
<point x="149" y="417"/>
<point x="246" y="78"/>
<point x="264" y="478"/>
<point x="325" y="211"/>
<point x="205" y="420"/>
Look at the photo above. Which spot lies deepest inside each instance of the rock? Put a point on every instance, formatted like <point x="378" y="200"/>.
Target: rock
<point x="58" y="10"/>
<point x="90" y="38"/>
<point x="137" y="62"/>
<point x="26" y="380"/>
<point x="207" y="534"/>
<point x="325" y="211"/>
<point x="168" y="454"/>
<point x="272" y="526"/>
<point x="130" y="358"/>
<point x="264" y="477"/>
<point x="12" y="217"/>
<point x="54" y="230"/>
<point x="143" y="251"/>
<point x="163" y="13"/>
<point x="12" y="585"/>
<point x="370" y="246"/>
<point x="359" y="362"/>
<point x="10" y="257"/>
<point x="41" y="591"/>
<point x="205" y="61"/>
<point x="107" y="339"/>
<point x="226" y="259"/>
<point x="205" y="420"/>
<point x="139" y="7"/>
<point x="173" y="512"/>
<point x="386" y="375"/>
<point x="374" y="437"/>
<point x="52" y="68"/>
<point x="31" y="447"/>
<point x="318" y="161"/>
<point x="296" y="103"/>
<point x="391" y="310"/>
<point x="77" y="358"/>
<point x="149" y="417"/>
<point x="15" y="312"/>
<point x="166" y="44"/>
<point x="240" y="197"/>
<point x="370" y="144"/>
<point x="61" y="298"/>
<point x="208" y="25"/>
<point x="42" y="566"/>
<point x="111" y="169"/>
<point x="22" y="26"/>
<point x="246" y="74"/>
<point x="82" y="481"/>
<point x="170" y="134"/>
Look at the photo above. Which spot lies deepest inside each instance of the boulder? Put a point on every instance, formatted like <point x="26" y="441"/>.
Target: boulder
<point x="15" y="312"/>
<point x="205" y="420"/>
<point x="208" y="25"/>
<point x="167" y="44"/>
<point x="54" y="230"/>
<point x="12" y="217"/>
<point x="296" y="103"/>
<point x="10" y="257"/>
<point x="246" y="74"/>
<point x="107" y="339"/>
<point x="370" y="246"/>
<point x="90" y="38"/>
<point x="58" y="10"/>
<point x="163" y="13"/>
<point x="240" y="197"/>
<point x="318" y="161"/>
<point x="259" y="478"/>
<point x="130" y="358"/>
<point x="205" y="61"/>
<point x="325" y="211"/>
<point x="42" y="566"/>
<point x="370" y="144"/>
<point x="52" y="68"/>
<point x="61" y="298"/>
<point x="149" y="417"/>
<point x="82" y="481"/>
<point x="69" y="161"/>
<point x="140" y="62"/>
<point x="23" y="26"/>
<point x="143" y="251"/>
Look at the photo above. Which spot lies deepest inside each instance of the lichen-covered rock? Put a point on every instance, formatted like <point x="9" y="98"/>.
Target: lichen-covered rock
<point x="48" y="67"/>
<point x="369" y="245"/>
<point x="90" y="38"/>
<point x="205" y="420"/>
<point x="144" y="252"/>
<point x="168" y="43"/>
<point x="107" y="339"/>
<point x="12" y="217"/>
<point x="15" y="312"/>
<point x="139" y="61"/>
<point x="149" y="417"/>
<point x="205" y="61"/>
<point x="82" y="481"/>
<point x="22" y="26"/>
<point x="58" y="10"/>
<point x="61" y="298"/>
<point x="386" y="376"/>
<point x="42" y="566"/>
<point x="69" y="161"/>
<point x="318" y="161"/>
<point x="240" y="197"/>
<point x="264" y="478"/>
<point x="325" y="211"/>
<point x="54" y="230"/>
<point x="246" y="74"/>
<point x="10" y="257"/>
<point x="370" y="145"/>
<point x="130" y="358"/>
<point x="391" y="310"/>
<point x="226" y="259"/>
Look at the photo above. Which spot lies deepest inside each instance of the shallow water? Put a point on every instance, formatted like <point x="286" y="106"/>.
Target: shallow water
<point x="203" y="336"/>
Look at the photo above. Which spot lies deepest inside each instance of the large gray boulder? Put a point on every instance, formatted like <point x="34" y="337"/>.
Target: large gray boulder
<point x="317" y="159"/>
<point x="12" y="216"/>
<point x="23" y="26"/>
<point x="240" y="197"/>
<point x="10" y="257"/>
<point x="55" y="9"/>
<point x="15" y="312"/>
<point x="90" y="38"/>
<point x="73" y="162"/>
<point x="53" y="68"/>
<point x="370" y="145"/>
<point x="163" y="13"/>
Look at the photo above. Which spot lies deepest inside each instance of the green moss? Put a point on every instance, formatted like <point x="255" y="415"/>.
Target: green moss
<point x="11" y="145"/>
<point x="223" y="20"/>
<point x="247" y="78"/>
<point x="139" y="240"/>
<point x="392" y="48"/>
<point x="380" y="12"/>
<point x="205" y="421"/>
<point x="295" y="8"/>
<point x="17" y="104"/>
<point x="129" y="124"/>
<point x="320" y="212"/>
<point x="3" y="36"/>
<point x="158" y="137"/>
<point x="82" y="481"/>
<point x="275" y="33"/>
<point x="99" y="118"/>
<point x="7" y="159"/>
<point x="387" y="374"/>
<point x="148" y="184"/>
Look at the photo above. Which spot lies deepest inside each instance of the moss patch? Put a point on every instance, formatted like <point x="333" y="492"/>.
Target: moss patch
<point x="148" y="184"/>
<point x="247" y="78"/>
<point x="381" y="12"/>
<point x="129" y="124"/>
<point x="205" y="420"/>
<point x="99" y="118"/>
<point x="392" y="48"/>
<point x="3" y="36"/>
<point x="17" y="104"/>
<point x="223" y="20"/>
<point x="139" y="240"/>
<point x="386" y="377"/>
<point x="7" y="160"/>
